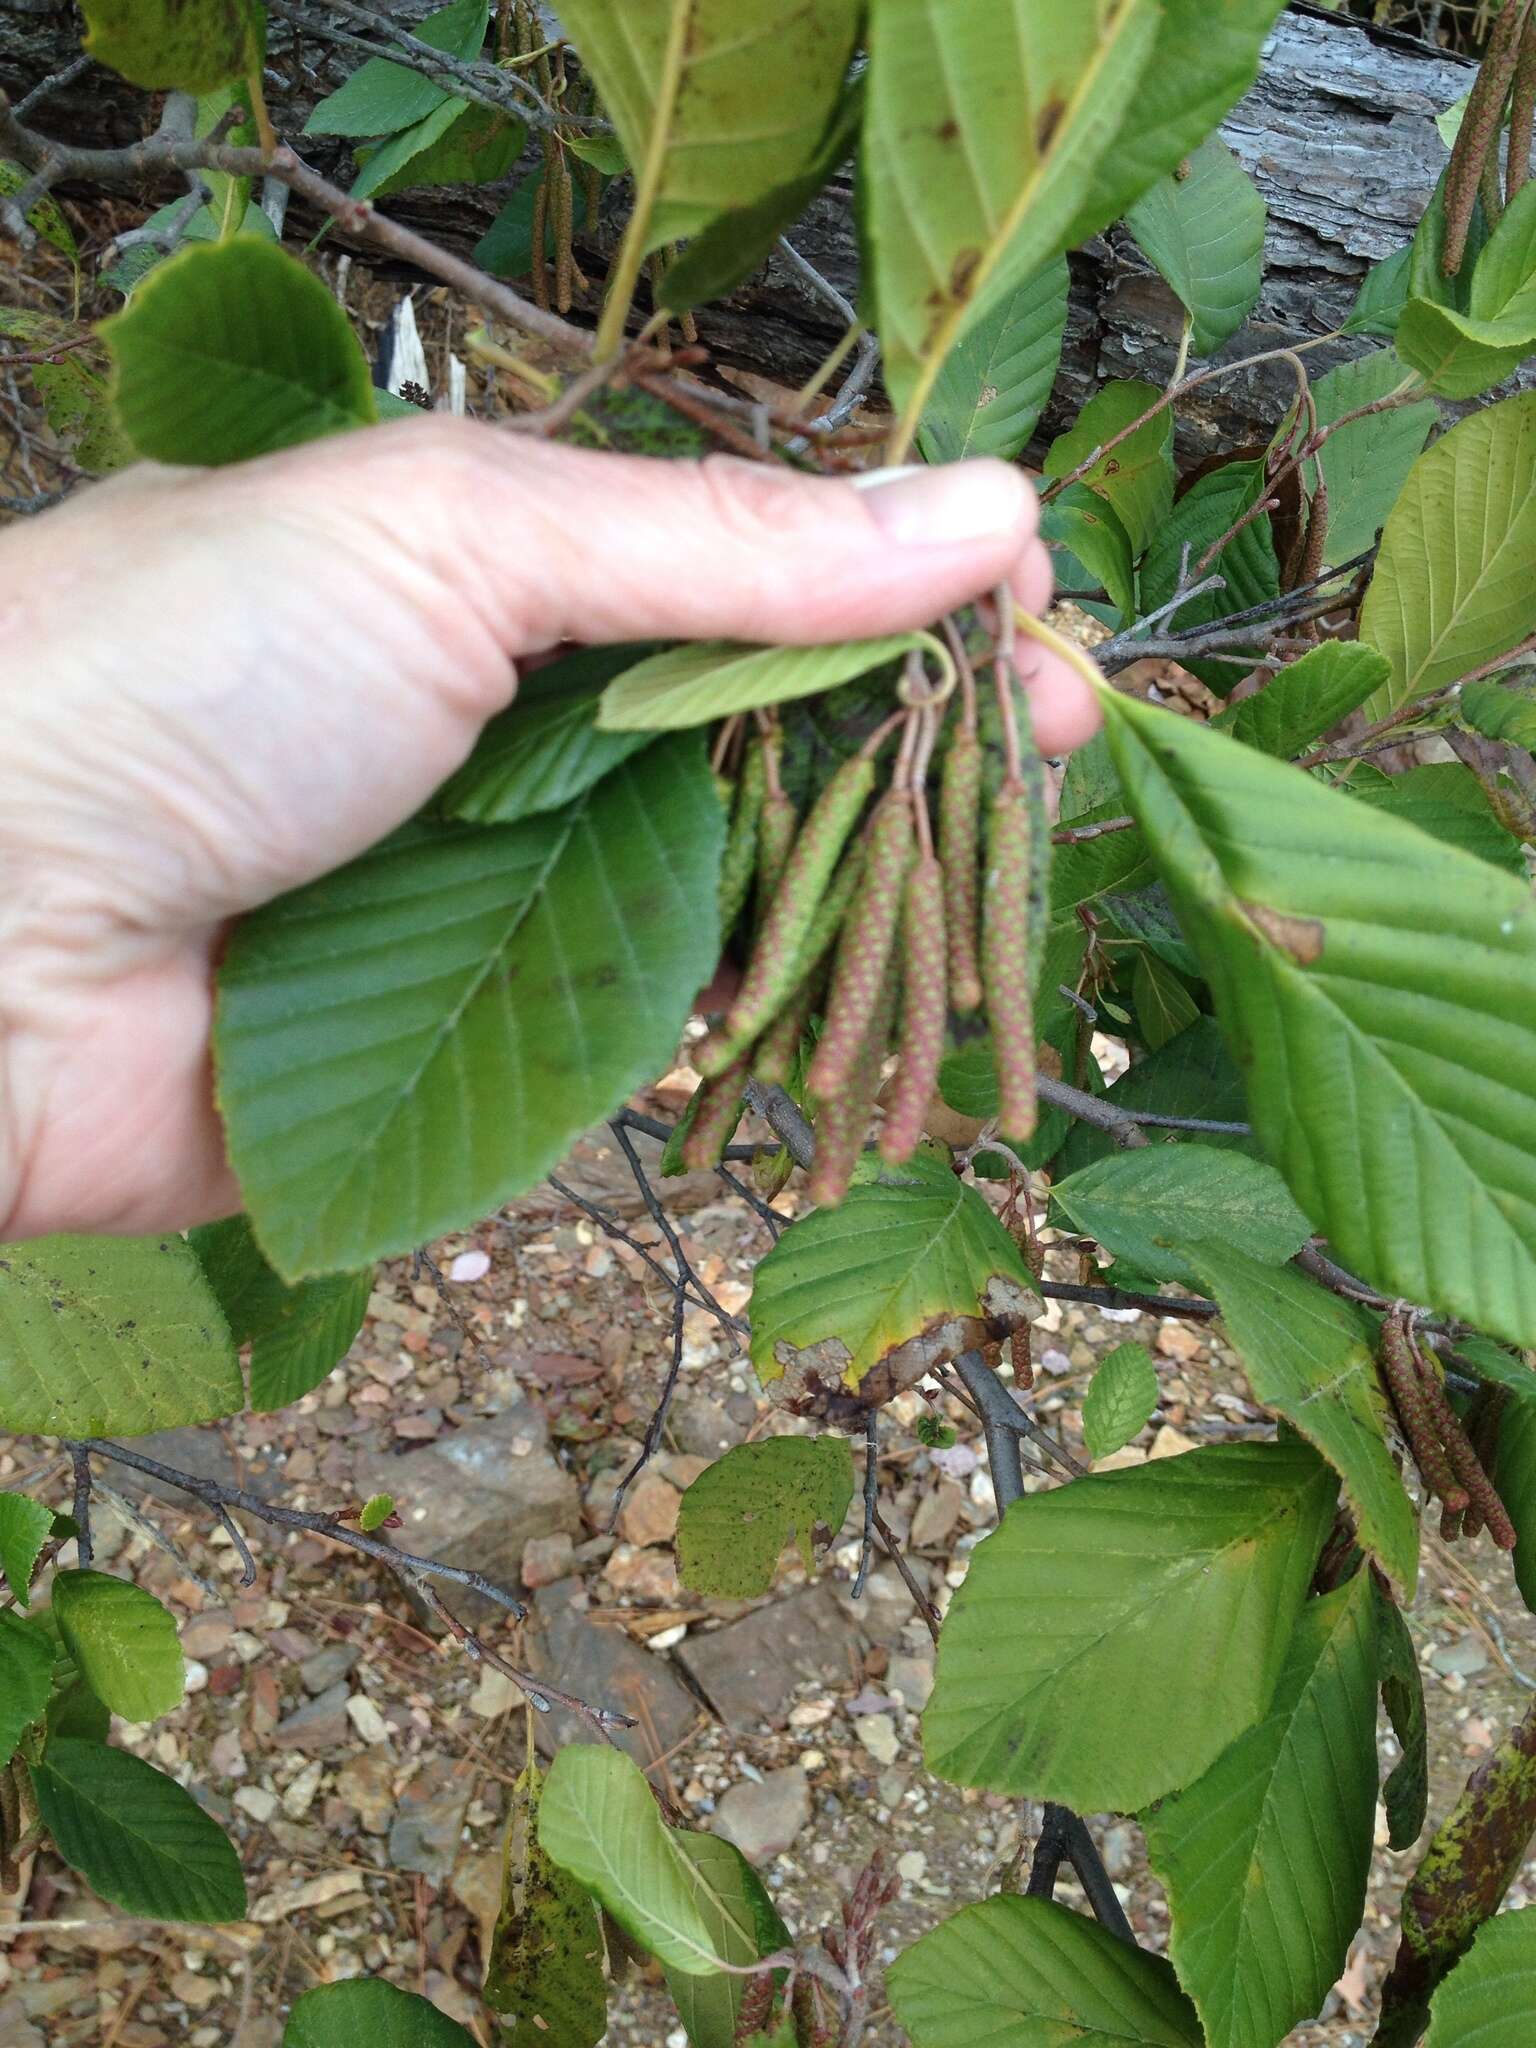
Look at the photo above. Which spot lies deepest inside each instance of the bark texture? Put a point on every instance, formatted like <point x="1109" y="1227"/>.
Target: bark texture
<point x="1339" y="133"/>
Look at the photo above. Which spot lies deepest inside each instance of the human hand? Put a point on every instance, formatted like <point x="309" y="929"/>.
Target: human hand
<point x="219" y="684"/>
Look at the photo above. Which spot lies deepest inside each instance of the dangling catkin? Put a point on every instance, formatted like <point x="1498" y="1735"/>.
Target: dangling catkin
<point x="740" y="856"/>
<point x="1480" y="126"/>
<point x="721" y="1103"/>
<point x="864" y="950"/>
<point x="776" y="839"/>
<point x="1008" y="958"/>
<point x="959" y="851"/>
<point x="844" y="1120"/>
<point x="776" y="964"/>
<point x="924" y="1012"/>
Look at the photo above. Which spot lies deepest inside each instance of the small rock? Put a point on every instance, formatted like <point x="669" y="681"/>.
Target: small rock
<point x="1463" y="1659"/>
<point x="885" y="1606"/>
<point x="604" y="1666"/>
<point x="470" y="1266"/>
<point x="937" y="1514"/>
<point x="1169" y="1442"/>
<point x="682" y="1468"/>
<point x="319" y="1725"/>
<point x="304" y="1898"/>
<point x="206" y="1635"/>
<point x="762" y="1820"/>
<point x="750" y="1669"/>
<point x="328" y="1667"/>
<point x="547" y="1559"/>
<point x="643" y="1575"/>
<point x="912" y="1867"/>
<point x="704" y="1427"/>
<point x="912" y="1677"/>
<point x="300" y="1795"/>
<point x="1117" y="1847"/>
<point x="496" y="1694"/>
<point x="367" y="1784"/>
<point x="877" y="1732"/>
<point x="16" y="2030"/>
<point x="257" y="1802"/>
<point x="650" y="1511"/>
<point x="1175" y="1341"/>
<point x="429" y="1820"/>
<point x="194" y="1990"/>
<point x="476" y="1885"/>
<point x="367" y="1719"/>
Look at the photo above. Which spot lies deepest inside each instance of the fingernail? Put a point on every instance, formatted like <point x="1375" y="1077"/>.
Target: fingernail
<point x="944" y="506"/>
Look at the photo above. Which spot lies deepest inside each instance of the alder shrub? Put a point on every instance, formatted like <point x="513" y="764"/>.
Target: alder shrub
<point x="1321" y="963"/>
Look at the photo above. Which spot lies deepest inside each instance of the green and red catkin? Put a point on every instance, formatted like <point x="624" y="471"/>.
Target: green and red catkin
<point x="1479" y="133"/>
<point x="775" y="842"/>
<point x="776" y="966"/>
<point x="865" y="946"/>
<point x="720" y="1106"/>
<point x="960" y="854"/>
<point x="924" y="1011"/>
<point x="1009" y="944"/>
<point x="844" y="1119"/>
<point x="740" y="859"/>
<point x="1522" y="114"/>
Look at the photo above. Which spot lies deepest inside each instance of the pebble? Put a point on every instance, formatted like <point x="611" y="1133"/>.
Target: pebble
<point x="366" y="1718"/>
<point x="496" y="1694"/>
<point x="912" y="1867"/>
<point x="300" y="1795"/>
<point x="762" y="1820"/>
<point x="877" y="1732"/>
<point x="257" y="1802"/>
<point x="1463" y="1659"/>
<point x="650" y="1511"/>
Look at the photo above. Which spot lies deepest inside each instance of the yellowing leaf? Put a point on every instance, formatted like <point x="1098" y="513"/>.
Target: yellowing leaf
<point x="737" y="1516"/>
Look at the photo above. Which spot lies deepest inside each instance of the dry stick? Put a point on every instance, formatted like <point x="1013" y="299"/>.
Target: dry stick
<point x="927" y="1612"/>
<point x="871" y="1499"/>
<point x="417" y="1572"/>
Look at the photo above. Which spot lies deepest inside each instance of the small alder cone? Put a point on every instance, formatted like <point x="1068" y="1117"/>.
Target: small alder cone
<point x="1008" y="956"/>
<point x="864" y="950"/>
<point x="959" y="854"/>
<point x="775" y="968"/>
<point x="924" y="1011"/>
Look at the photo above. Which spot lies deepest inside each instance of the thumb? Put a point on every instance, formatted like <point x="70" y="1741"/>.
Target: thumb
<point x="569" y="544"/>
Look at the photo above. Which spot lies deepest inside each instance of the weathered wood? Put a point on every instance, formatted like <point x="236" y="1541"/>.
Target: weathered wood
<point x="1339" y="134"/>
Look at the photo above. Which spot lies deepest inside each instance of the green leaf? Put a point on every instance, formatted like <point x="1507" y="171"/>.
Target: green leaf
<point x="737" y="1516"/>
<point x="1202" y="227"/>
<point x="110" y="1336"/>
<point x="234" y="349"/>
<point x="1307" y="699"/>
<point x="1087" y="524"/>
<point x="544" y="1975"/>
<point x="993" y="385"/>
<point x="1382" y="296"/>
<point x="1203" y="61"/>
<point x="670" y="1891"/>
<point x="1265" y="1858"/>
<point x="367" y="2009"/>
<point x="547" y="749"/>
<point x="1446" y="800"/>
<point x="1159" y="1206"/>
<point x="1026" y="1973"/>
<point x="716" y="106"/>
<point x="1311" y="1358"/>
<point x="73" y="389"/>
<point x="506" y="247"/>
<point x="1193" y="1075"/>
<point x="375" y="1512"/>
<point x="1514" y="1476"/>
<point x="75" y="1714"/>
<point x="296" y="1334"/>
<point x="409" y="1042"/>
<point x="1500" y="713"/>
<point x="1379" y="991"/>
<point x="703" y="680"/>
<point x="1146" y="914"/>
<point x="46" y="216"/>
<point x="1405" y="1795"/>
<point x="1164" y="1006"/>
<point x="1137" y="476"/>
<point x="1460" y="354"/>
<point x="123" y="1642"/>
<point x="1366" y="464"/>
<point x="1489" y="1999"/>
<point x="1208" y="510"/>
<point x="458" y="143"/>
<point x="1121" y="1398"/>
<point x="190" y="45"/>
<point x="738" y="243"/>
<point x="135" y="1836"/>
<point x="966" y="194"/>
<point x="25" y="1526"/>
<point x="1140" y="1587"/>
<point x="131" y="268"/>
<point x="914" y="1255"/>
<point x="710" y="2005"/>
<point x="1453" y="588"/>
<point x="381" y="98"/>
<point x="26" y="1679"/>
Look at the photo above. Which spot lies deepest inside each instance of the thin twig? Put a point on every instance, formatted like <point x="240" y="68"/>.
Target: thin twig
<point x="871" y="1499"/>
<point x="80" y="1459"/>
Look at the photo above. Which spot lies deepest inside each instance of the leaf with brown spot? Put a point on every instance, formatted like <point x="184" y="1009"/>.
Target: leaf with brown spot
<point x="544" y="1974"/>
<point x="189" y="45"/>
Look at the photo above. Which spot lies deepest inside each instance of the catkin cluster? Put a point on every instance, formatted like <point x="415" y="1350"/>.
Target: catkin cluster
<point x="1453" y="1457"/>
<point x="863" y="936"/>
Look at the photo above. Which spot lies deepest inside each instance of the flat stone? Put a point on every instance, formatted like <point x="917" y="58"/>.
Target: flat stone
<point x="478" y="1498"/>
<point x="877" y="1732"/>
<point x="704" y="1427"/>
<point x="1462" y="1659"/>
<point x="207" y="1634"/>
<point x="643" y="1575"/>
<point x="763" y="1819"/>
<point x="912" y="1677"/>
<point x="367" y="1784"/>
<point x="318" y="1726"/>
<point x="476" y="1884"/>
<point x="429" y="1820"/>
<point x="547" y="1560"/>
<point x="366" y="1718"/>
<point x="603" y="1667"/>
<point x="259" y="1803"/>
<point x="937" y="1514"/>
<point x="328" y="1666"/>
<point x="749" y="1670"/>
<point x="882" y="1610"/>
<point x="16" y="2030"/>
<point x="495" y="1694"/>
<point x="650" y="1511"/>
